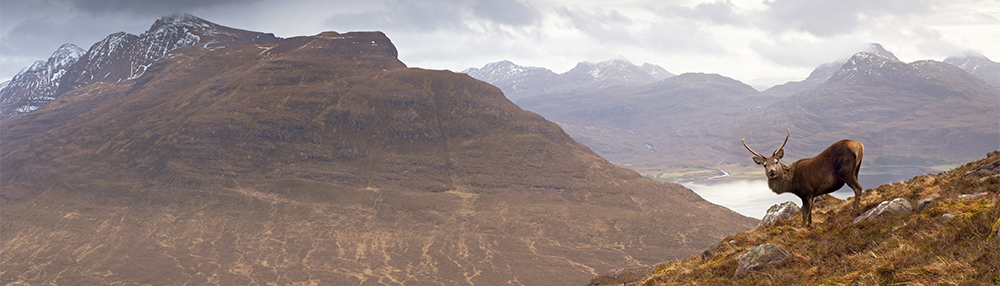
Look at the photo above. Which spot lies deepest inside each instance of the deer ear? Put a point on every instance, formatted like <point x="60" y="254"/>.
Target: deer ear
<point x="759" y="160"/>
<point x="780" y="153"/>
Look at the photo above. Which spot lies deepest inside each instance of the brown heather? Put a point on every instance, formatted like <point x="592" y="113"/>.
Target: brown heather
<point x="920" y="248"/>
<point x="322" y="160"/>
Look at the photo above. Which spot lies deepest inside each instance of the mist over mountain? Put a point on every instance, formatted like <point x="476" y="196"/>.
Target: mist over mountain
<point x="318" y="159"/>
<point x="822" y="73"/>
<point x="979" y="66"/>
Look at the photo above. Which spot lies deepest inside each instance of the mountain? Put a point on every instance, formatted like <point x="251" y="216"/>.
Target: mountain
<point x="815" y="79"/>
<point x="637" y="125"/>
<point x="36" y="85"/>
<point x="321" y="160"/>
<point x="121" y="56"/>
<point x="824" y="72"/>
<point x="946" y="234"/>
<point x="923" y="112"/>
<point x="607" y="73"/>
<point x="920" y="113"/>
<point x="519" y="82"/>
<point x="979" y="66"/>
<point x="657" y="72"/>
<point x="515" y="80"/>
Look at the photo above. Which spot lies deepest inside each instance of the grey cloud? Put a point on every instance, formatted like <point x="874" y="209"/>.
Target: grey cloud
<point x="428" y="16"/>
<point x="148" y="7"/>
<point x="507" y="12"/>
<point x="605" y="26"/>
<point x="806" y="54"/>
<point x="833" y="17"/>
<point x="719" y="12"/>
<point x="34" y="39"/>
<point x="404" y="16"/>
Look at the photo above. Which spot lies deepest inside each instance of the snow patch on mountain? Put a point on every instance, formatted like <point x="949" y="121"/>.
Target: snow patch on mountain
<point x="36" y="85"/>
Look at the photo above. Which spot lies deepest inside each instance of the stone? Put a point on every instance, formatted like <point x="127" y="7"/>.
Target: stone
<point x="947" y="217"/>
<point x="985" y="170"/>
<point x="777" y="212"/>
<point x="972" y="196"/>
<point x="925" y="202"/>
<point x="760" y="257"/>
<point x="710" y="251"/>
<point x="623" y="276"/>
<point x="886" y="208"/>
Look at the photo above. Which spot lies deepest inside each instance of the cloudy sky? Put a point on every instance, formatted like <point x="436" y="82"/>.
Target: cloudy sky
<point x="745" y="40"/>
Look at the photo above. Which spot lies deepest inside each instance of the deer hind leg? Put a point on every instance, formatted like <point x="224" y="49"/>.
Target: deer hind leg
<point x="853" y="183"/>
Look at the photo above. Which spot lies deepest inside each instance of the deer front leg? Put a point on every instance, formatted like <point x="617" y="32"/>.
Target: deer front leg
<point x="807" y="202"/>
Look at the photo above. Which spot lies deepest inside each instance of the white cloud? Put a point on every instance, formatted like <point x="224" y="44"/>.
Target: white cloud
<point x="744" y="40"/>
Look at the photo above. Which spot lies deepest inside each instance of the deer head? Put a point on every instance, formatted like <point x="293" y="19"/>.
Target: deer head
<point x="772" y="165"/>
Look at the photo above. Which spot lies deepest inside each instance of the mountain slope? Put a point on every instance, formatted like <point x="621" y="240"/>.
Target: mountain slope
<point x="823" y="73"/>
<point x="950" y="238"/>
<point x="518" y="82"/>
<point x="36" y="85"/>
<point x="920" y="113"/>
<point x="923" y="112"/>
<point x="321" y="160"/>
<point x="649" y="124"/>
<point x="979" y="66"/>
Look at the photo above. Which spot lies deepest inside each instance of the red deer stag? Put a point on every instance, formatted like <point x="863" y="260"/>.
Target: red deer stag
<point x="811" y="177"/>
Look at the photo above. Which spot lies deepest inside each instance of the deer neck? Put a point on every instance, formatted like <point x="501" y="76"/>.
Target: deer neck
<point x="782" y="183"/>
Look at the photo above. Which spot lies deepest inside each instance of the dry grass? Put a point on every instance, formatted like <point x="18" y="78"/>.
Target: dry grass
<point x="920" y="248"/>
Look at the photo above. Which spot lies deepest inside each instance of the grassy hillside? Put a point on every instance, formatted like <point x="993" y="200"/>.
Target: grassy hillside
<point x="923" y="247"/>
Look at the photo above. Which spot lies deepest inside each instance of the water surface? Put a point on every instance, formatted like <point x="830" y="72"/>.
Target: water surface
<point x="752" y="197"/>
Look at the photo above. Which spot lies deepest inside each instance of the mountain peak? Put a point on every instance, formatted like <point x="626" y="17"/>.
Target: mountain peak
<point x="878" y="50"/>
<point x="979" y="66"/>
<point x="656" y="71"/>
<point x="34" y="86"/>
<point x="867" y="67"/>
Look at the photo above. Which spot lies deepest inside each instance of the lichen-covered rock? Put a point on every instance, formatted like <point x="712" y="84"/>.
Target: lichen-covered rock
<point x="925" y="202"/>
<point x="947" y="217"/>
<point x="886" y="208"/>
<point x="985" y="170"/>
<point x="759" y="257"/>
<point x="972" y="196"/>
<point x="777" y="212"/>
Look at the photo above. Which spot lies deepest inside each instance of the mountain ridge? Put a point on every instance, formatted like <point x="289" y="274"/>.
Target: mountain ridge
<point x="100" y="62"/>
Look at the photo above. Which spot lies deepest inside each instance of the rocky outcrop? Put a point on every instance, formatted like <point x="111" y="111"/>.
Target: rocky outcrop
<point x="925" y="202"/>
<point x="886" y="208"/>
<point x="777" y="212"/>
<point x="760" y="257"/>
<point x="988" y="169"/>
<point x="623" y="276"/>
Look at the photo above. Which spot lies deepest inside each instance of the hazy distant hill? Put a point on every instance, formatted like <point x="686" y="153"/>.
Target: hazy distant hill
<point x="924" y="112"/>
<point x="917" y="113"/>
<point x="822" y="73"/>
<point x="519" y="82"/>
<point x="979" y="66"/>
<point x="321" y="160"/>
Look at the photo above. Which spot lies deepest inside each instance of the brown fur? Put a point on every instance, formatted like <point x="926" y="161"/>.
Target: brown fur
<point x="812" y="177"/>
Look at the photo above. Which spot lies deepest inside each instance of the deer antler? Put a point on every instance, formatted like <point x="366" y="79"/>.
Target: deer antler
<point x="751" y="150"/>
<point x="782" y="144"/>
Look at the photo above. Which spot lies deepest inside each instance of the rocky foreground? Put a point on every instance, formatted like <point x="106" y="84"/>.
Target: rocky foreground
<point x="935" y="229"/>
